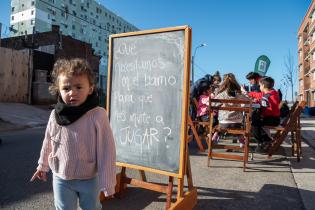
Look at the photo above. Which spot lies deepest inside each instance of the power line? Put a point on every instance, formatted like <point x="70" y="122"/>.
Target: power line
<point x="200" y="68"/>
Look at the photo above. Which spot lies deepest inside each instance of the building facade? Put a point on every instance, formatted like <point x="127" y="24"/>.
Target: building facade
<point x="85" y="20"/>
<point x="44" y="49"/>
<point x="306" y="57"/>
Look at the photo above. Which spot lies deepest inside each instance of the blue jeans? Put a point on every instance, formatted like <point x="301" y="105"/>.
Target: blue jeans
<point x="67" y="192"/>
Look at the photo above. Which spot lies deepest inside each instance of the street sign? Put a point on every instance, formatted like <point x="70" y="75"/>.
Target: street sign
<point x="262" y="65"/>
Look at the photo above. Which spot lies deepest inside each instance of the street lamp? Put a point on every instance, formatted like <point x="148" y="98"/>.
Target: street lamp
<point x="192" y="61"/>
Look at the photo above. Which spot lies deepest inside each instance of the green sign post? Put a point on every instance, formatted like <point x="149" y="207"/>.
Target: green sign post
<point x="262" y="64"/>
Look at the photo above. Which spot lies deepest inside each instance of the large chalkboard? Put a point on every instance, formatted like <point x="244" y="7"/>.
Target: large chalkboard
<point x="147" y="95"/>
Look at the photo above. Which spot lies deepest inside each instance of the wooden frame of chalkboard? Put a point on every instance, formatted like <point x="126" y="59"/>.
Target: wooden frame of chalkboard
<point x="161" y="51"/>
<point x="148" y="89"/>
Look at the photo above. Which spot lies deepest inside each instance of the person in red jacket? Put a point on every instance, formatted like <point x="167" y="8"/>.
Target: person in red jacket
<point x="268" y="114"/>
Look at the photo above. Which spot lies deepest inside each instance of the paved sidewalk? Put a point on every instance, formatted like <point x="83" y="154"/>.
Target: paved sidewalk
<point x="308" y="130"/>
<point x="19" y="116"/>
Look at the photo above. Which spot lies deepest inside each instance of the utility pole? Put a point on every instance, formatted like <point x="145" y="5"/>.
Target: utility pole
<point x="193" y="62"/>
<point x="0" y="32"/>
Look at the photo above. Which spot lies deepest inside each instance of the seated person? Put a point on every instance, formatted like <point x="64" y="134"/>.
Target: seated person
<point x="230" y="89"/>
<point x="253" y="79"/>
<point x="268" y="114"/>
<point x="203" y="104"/>
<point x="216" y="80"/>
<point x="195" y="92"/>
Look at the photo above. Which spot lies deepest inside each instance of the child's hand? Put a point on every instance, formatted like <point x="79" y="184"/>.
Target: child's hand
<point x="244" y="92"/>
<point x="41" y="175"/>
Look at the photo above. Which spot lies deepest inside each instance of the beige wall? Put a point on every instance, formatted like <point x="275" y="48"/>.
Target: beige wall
<point x="14" y="75"/>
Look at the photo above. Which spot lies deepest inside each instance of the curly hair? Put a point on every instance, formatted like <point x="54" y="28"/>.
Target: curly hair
<point x="70" y="67"/>
<point x="230" y="84"/>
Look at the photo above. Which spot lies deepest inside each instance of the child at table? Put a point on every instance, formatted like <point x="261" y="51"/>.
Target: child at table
<point x="203" y="107"/>
<point x="230" y="89"/>
<point x="268" y="114"/>
<point x="203" y="103"/>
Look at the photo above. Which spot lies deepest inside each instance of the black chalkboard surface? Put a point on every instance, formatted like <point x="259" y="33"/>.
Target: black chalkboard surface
<point x="147" y="87"/>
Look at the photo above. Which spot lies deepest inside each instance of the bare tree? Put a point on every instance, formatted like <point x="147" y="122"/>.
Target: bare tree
<point x="284" y="88"/>
<point x="290" y="73"/>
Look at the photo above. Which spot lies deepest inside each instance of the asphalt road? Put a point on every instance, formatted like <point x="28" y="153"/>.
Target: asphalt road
<point x="268" y="184"/>
<point x="19" y="153"/>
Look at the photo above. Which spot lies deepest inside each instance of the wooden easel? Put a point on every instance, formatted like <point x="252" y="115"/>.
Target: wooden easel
<point x="184" y="201"/>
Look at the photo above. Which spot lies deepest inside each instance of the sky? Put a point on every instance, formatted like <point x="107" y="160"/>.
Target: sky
<point x="236" y="32"/>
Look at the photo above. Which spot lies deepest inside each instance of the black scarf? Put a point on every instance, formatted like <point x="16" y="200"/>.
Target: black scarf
<point x="66" y="114"/>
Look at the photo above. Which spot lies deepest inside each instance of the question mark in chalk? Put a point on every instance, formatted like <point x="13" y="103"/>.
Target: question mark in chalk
<point x="167" y="135"/>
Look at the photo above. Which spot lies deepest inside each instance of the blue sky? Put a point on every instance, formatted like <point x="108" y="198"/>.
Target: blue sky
<point x="236" y="32"/>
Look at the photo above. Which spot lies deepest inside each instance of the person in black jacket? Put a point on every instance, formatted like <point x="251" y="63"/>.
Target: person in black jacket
<point x="253" y="79"/>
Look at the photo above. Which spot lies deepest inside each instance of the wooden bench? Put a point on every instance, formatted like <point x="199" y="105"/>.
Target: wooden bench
<point x="243" y="106"/>
<point x="290" y="124"/>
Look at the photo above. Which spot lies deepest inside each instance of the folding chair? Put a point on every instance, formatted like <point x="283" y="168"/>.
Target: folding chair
<point x="290" y="124"/>
<point x="194" y="125"/>
<point x="238" y="105"/>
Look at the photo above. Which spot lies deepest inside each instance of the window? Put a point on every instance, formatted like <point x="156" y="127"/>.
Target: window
<point x="73" y="27"/>
<point x="32" y="22"/>
<point x="12" y="18"/>
<point x="33" y="3"/>
<point x="32" y="12"/>
<point x="12" y="9"/>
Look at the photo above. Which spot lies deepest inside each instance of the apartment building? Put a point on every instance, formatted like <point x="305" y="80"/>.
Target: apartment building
<point x="85" y="20"/>
<point x="306" y="57"/>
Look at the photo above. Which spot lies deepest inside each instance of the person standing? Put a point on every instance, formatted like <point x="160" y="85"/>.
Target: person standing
<point x="78" y="145"/>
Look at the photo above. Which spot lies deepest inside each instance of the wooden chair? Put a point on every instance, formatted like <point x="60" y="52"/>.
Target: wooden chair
<point x="193" y="126"/>
<point x="290" y="124"/>
<point x="243" y="106"/>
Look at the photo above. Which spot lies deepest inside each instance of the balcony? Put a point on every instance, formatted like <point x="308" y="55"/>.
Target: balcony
<point x="312" y="27"/>
<point x="312" y="62"/>
<point x="312" y="44"/>
<point x="306" y="49"/>
<point x="307" y="82"/>
<point x="306" y="67"/>
<point x="312" y="81"/>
